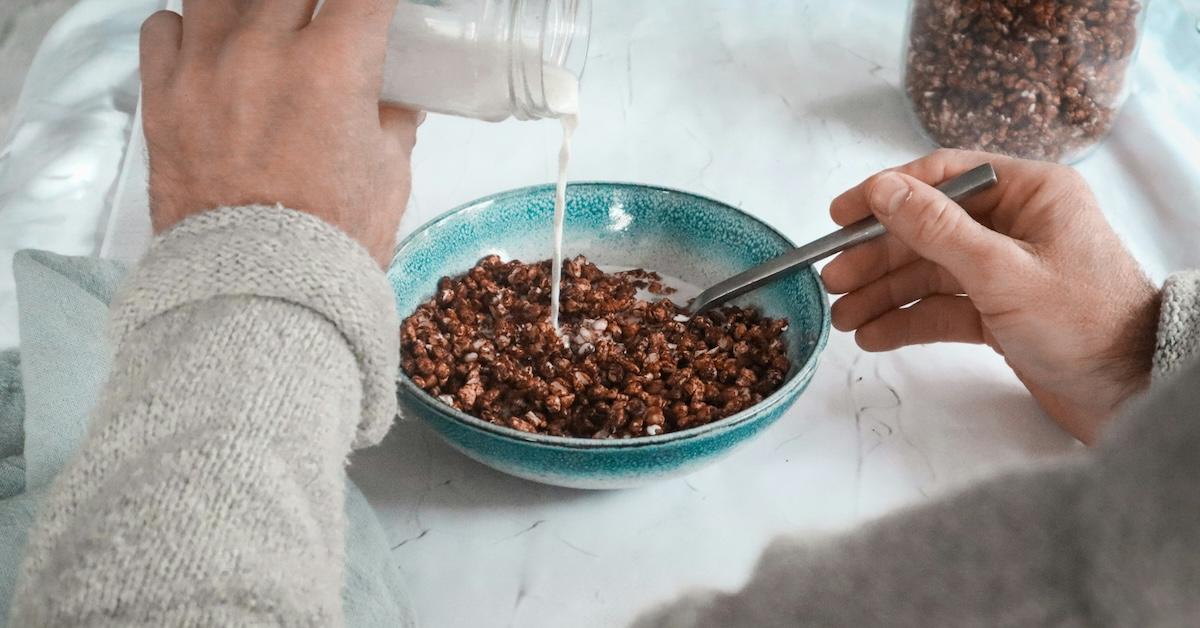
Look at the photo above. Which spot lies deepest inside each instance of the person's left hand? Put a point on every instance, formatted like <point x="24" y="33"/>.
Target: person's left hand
<point x="258" y="102"/>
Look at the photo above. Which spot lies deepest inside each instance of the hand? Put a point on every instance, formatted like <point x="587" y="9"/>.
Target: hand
<point x="1030" y="267"/>
<point x="258" y="102"/>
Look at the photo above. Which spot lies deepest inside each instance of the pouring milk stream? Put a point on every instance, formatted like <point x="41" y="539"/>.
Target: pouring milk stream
<point x="562" y="94"/>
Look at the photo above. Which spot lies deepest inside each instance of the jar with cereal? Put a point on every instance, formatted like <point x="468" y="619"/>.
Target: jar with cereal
<point x="1040" y="79"/>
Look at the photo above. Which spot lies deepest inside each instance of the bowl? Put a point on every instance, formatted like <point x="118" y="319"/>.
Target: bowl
<point x="679" y="234"/>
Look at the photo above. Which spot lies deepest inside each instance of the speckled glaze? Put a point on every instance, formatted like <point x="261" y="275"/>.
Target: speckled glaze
<point x="682" y="235"/>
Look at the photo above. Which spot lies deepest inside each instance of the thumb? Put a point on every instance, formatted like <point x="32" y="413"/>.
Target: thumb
<point x="938" y="229"/>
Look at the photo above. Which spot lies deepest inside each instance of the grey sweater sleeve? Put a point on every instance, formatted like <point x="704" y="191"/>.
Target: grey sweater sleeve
<point x="254" y="346"/>
<point x="1103" y="539"/>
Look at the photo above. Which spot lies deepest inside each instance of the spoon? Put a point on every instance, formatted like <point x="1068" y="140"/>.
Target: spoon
<point x="974" y="180"/>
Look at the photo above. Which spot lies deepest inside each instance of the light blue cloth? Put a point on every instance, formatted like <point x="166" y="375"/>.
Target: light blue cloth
<point x="12" y="426"/>
<point x="46" y="396"/>
<point x="16" y="506"/>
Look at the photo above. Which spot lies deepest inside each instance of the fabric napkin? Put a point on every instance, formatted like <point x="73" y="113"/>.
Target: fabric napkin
<point x="12" y="425"/>
<point x="46" y="395"/>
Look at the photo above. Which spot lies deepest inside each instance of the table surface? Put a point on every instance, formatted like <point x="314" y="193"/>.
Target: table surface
<point x="774" y="108"/>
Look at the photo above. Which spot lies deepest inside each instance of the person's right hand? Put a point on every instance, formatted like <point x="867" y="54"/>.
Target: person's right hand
<point x="258" y="102"/>
<point x="1031" y="268"/>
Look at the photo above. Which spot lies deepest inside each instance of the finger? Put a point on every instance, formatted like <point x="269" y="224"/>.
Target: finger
<point x="897" y="289"/>
<point x="207" y="22"/>
<point x="400" y="124"/>
<point x="283" y="14"/>
<point x="938" y="229"/>
<point x="859" y="266"/>
<point x="934" y="168"/>
<point x="161" y="36"/>
<point x="934" y="319"/>
<point x="368" y="19"/>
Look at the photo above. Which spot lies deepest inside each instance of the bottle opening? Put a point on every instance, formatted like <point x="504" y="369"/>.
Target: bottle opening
<point x="548" y="47"/>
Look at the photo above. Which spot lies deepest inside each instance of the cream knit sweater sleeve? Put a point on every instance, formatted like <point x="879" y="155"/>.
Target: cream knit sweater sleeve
<point x="1178" y="324"/>
<point x="255" y="345"/>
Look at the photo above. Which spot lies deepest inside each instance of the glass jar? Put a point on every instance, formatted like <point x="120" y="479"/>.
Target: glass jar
<point x="1040" y="79"/>
<point x="487" y="59"/>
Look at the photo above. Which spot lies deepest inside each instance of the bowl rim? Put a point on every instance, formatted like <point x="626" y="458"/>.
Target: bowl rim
<point x="802" y="374"/>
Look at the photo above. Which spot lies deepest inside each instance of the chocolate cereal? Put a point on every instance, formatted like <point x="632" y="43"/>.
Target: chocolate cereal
<point x="1040" y="79"/>
<point x="623" y="366"/>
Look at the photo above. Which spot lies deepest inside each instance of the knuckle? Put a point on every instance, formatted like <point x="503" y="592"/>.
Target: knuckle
<point x="244" y="47"/>
<point x="945" y="155"/>
<point x="1068" y="176"/>
<point x="1063" y="191"/>
<point x="158" y="21"/>
<point x="838" y="316"/>
<point x="937" y="220"/>
<point x="1066" y="172"/>
<point x="870" y="338"/>
<point x="330" y="46"/>
<point x="325" y="64"/>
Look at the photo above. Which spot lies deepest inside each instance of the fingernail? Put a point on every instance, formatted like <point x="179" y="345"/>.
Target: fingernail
<point x="420" y="118"/>
<point x="889" y="193"/>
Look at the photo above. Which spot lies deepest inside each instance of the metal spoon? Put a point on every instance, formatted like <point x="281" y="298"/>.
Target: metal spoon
<point x="974" y="180"/>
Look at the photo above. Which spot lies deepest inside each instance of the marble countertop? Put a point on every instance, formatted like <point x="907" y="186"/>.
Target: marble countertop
<point x="774" y="107"/>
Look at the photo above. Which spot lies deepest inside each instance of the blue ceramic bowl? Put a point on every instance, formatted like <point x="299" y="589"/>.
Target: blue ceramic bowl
<point x="678" y="234"/>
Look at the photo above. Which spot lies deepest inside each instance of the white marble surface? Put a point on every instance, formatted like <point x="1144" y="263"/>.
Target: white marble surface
<point x="774" y="107"/>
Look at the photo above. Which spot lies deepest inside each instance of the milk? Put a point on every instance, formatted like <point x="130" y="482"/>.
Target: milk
<point x="562" y="95"/>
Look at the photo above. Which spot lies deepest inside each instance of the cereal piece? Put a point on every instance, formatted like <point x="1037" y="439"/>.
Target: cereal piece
<point x="483" y="344"/>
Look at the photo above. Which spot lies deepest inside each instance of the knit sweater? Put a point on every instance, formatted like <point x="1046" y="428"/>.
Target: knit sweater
<point x="256" y="346"/>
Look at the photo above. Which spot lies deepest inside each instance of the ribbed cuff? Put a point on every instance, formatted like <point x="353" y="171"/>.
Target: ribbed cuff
<point x="277" y="253"/>
<point x="1178" y="324"/>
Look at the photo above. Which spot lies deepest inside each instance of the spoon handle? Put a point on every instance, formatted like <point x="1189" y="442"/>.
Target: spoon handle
<point x="974" y="180"/>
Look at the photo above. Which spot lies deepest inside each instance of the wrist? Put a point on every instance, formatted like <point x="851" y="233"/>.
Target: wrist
<point x="1129" y="360"/>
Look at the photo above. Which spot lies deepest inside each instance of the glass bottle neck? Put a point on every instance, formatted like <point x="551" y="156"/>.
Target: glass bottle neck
<point x="548" y="41"/>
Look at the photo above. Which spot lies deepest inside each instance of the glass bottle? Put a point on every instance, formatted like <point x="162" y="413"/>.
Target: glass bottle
<point x="487" y="59"/>
<point x="1040" y="79"/>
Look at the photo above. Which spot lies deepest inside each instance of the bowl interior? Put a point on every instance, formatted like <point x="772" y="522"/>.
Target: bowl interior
<point x="680" y="235"/>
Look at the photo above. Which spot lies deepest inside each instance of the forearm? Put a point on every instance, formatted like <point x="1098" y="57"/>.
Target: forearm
<point x="250" y="355"/>
<point x="1001" y="554"/>
<point x="1098" y="541"/>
